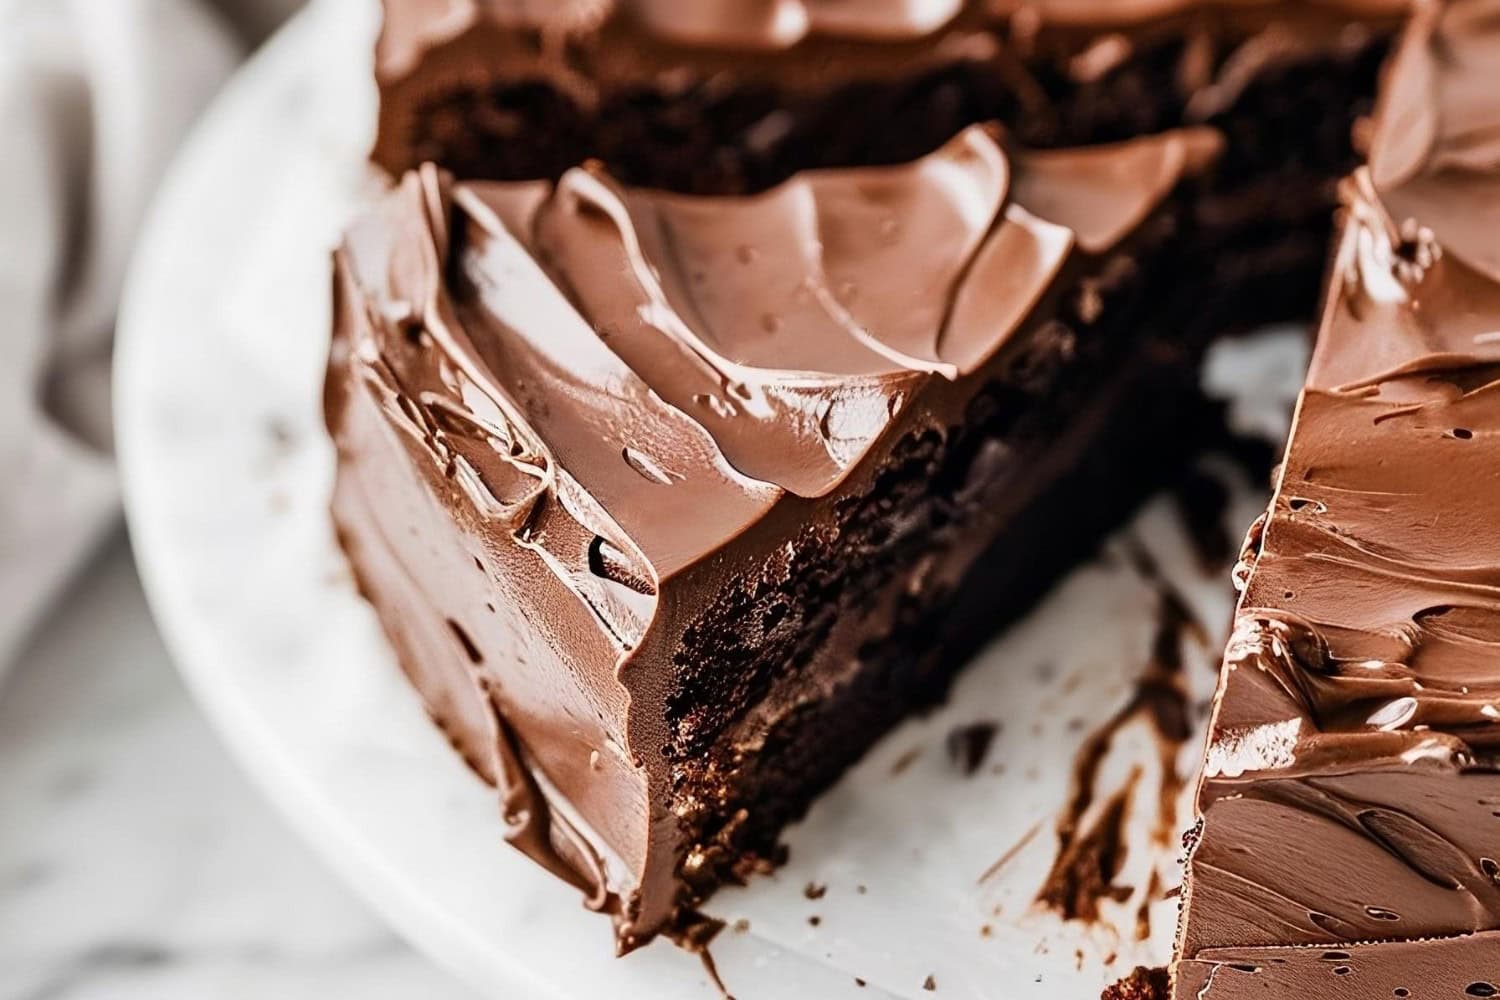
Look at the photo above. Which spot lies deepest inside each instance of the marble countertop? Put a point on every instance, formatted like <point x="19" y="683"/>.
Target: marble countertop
<point x="136" y="861"/>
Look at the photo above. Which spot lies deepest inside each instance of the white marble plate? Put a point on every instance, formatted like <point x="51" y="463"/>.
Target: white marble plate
<point x="227" y="475"/>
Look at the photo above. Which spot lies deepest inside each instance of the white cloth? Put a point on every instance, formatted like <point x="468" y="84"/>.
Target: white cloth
<point x="95" y="96"/>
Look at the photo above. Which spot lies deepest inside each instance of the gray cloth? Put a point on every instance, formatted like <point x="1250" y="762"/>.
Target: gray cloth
<point x="95" y="96"/>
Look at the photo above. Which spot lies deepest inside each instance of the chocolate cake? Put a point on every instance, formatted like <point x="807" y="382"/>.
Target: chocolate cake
<point x="1349" y="842"/>
<point x="718" y="375"/>
<point x="664" y="498"/>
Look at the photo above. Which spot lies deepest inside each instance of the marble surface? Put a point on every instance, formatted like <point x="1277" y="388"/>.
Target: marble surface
<point x="136" y="861"/>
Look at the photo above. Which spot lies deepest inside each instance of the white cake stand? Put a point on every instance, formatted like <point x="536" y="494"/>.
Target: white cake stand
<point x="227" y="475"/>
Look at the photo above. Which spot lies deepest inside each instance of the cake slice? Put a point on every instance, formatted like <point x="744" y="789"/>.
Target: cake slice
<point x="1349" y="840"/>
<point x="672" y="504"/>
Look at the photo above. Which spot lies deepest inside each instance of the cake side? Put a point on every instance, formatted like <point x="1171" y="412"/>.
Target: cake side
<point x="1351" y="787"/>
<point x="565" y="494"/>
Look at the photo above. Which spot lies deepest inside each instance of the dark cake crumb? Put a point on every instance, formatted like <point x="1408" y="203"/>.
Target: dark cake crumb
<point x="968" y="745"/>
<point x="929" y="984"/>
<point x="933" y="485"/>
<point x="905" y="761"/>
<point x="815" y="890"/>
<point x="1141" y="984"/>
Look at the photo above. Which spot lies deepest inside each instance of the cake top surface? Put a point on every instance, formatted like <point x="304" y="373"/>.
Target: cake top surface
<point x="669" y="367"/>
<point x="1373" y="609"/>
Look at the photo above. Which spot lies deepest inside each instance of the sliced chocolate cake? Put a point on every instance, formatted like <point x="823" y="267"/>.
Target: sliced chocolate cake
<point x="680" y="476"/>
<point x="1349" y="843"/>
<point x="664" y="499"/>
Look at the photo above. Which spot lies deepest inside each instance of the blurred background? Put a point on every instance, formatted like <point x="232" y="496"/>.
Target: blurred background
<point x="135" y="860"/>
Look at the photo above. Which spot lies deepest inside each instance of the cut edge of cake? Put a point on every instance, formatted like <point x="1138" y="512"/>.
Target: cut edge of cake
<point x="1348" y="840"/>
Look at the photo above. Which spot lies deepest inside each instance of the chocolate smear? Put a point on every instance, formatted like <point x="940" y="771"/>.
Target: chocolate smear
<point x="1089" y="859"/>
<point x="1085" y="869"/>
<point x="905" y="761"/>
<point x="694" y="932"/>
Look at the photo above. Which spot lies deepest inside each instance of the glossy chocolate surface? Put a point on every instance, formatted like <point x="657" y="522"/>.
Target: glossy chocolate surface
<point x="1352" y="786"/>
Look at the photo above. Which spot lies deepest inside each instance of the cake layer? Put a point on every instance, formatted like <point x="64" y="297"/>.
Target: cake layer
<point x="1352" y="785"/>
<point x="640" y="483"/>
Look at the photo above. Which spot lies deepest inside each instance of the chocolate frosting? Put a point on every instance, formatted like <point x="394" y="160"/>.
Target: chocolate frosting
<point x="1352" y="784"/>
<point x="570" y="416"/>
<point x="751" y="346"/>
<point x="787" y="338"/>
